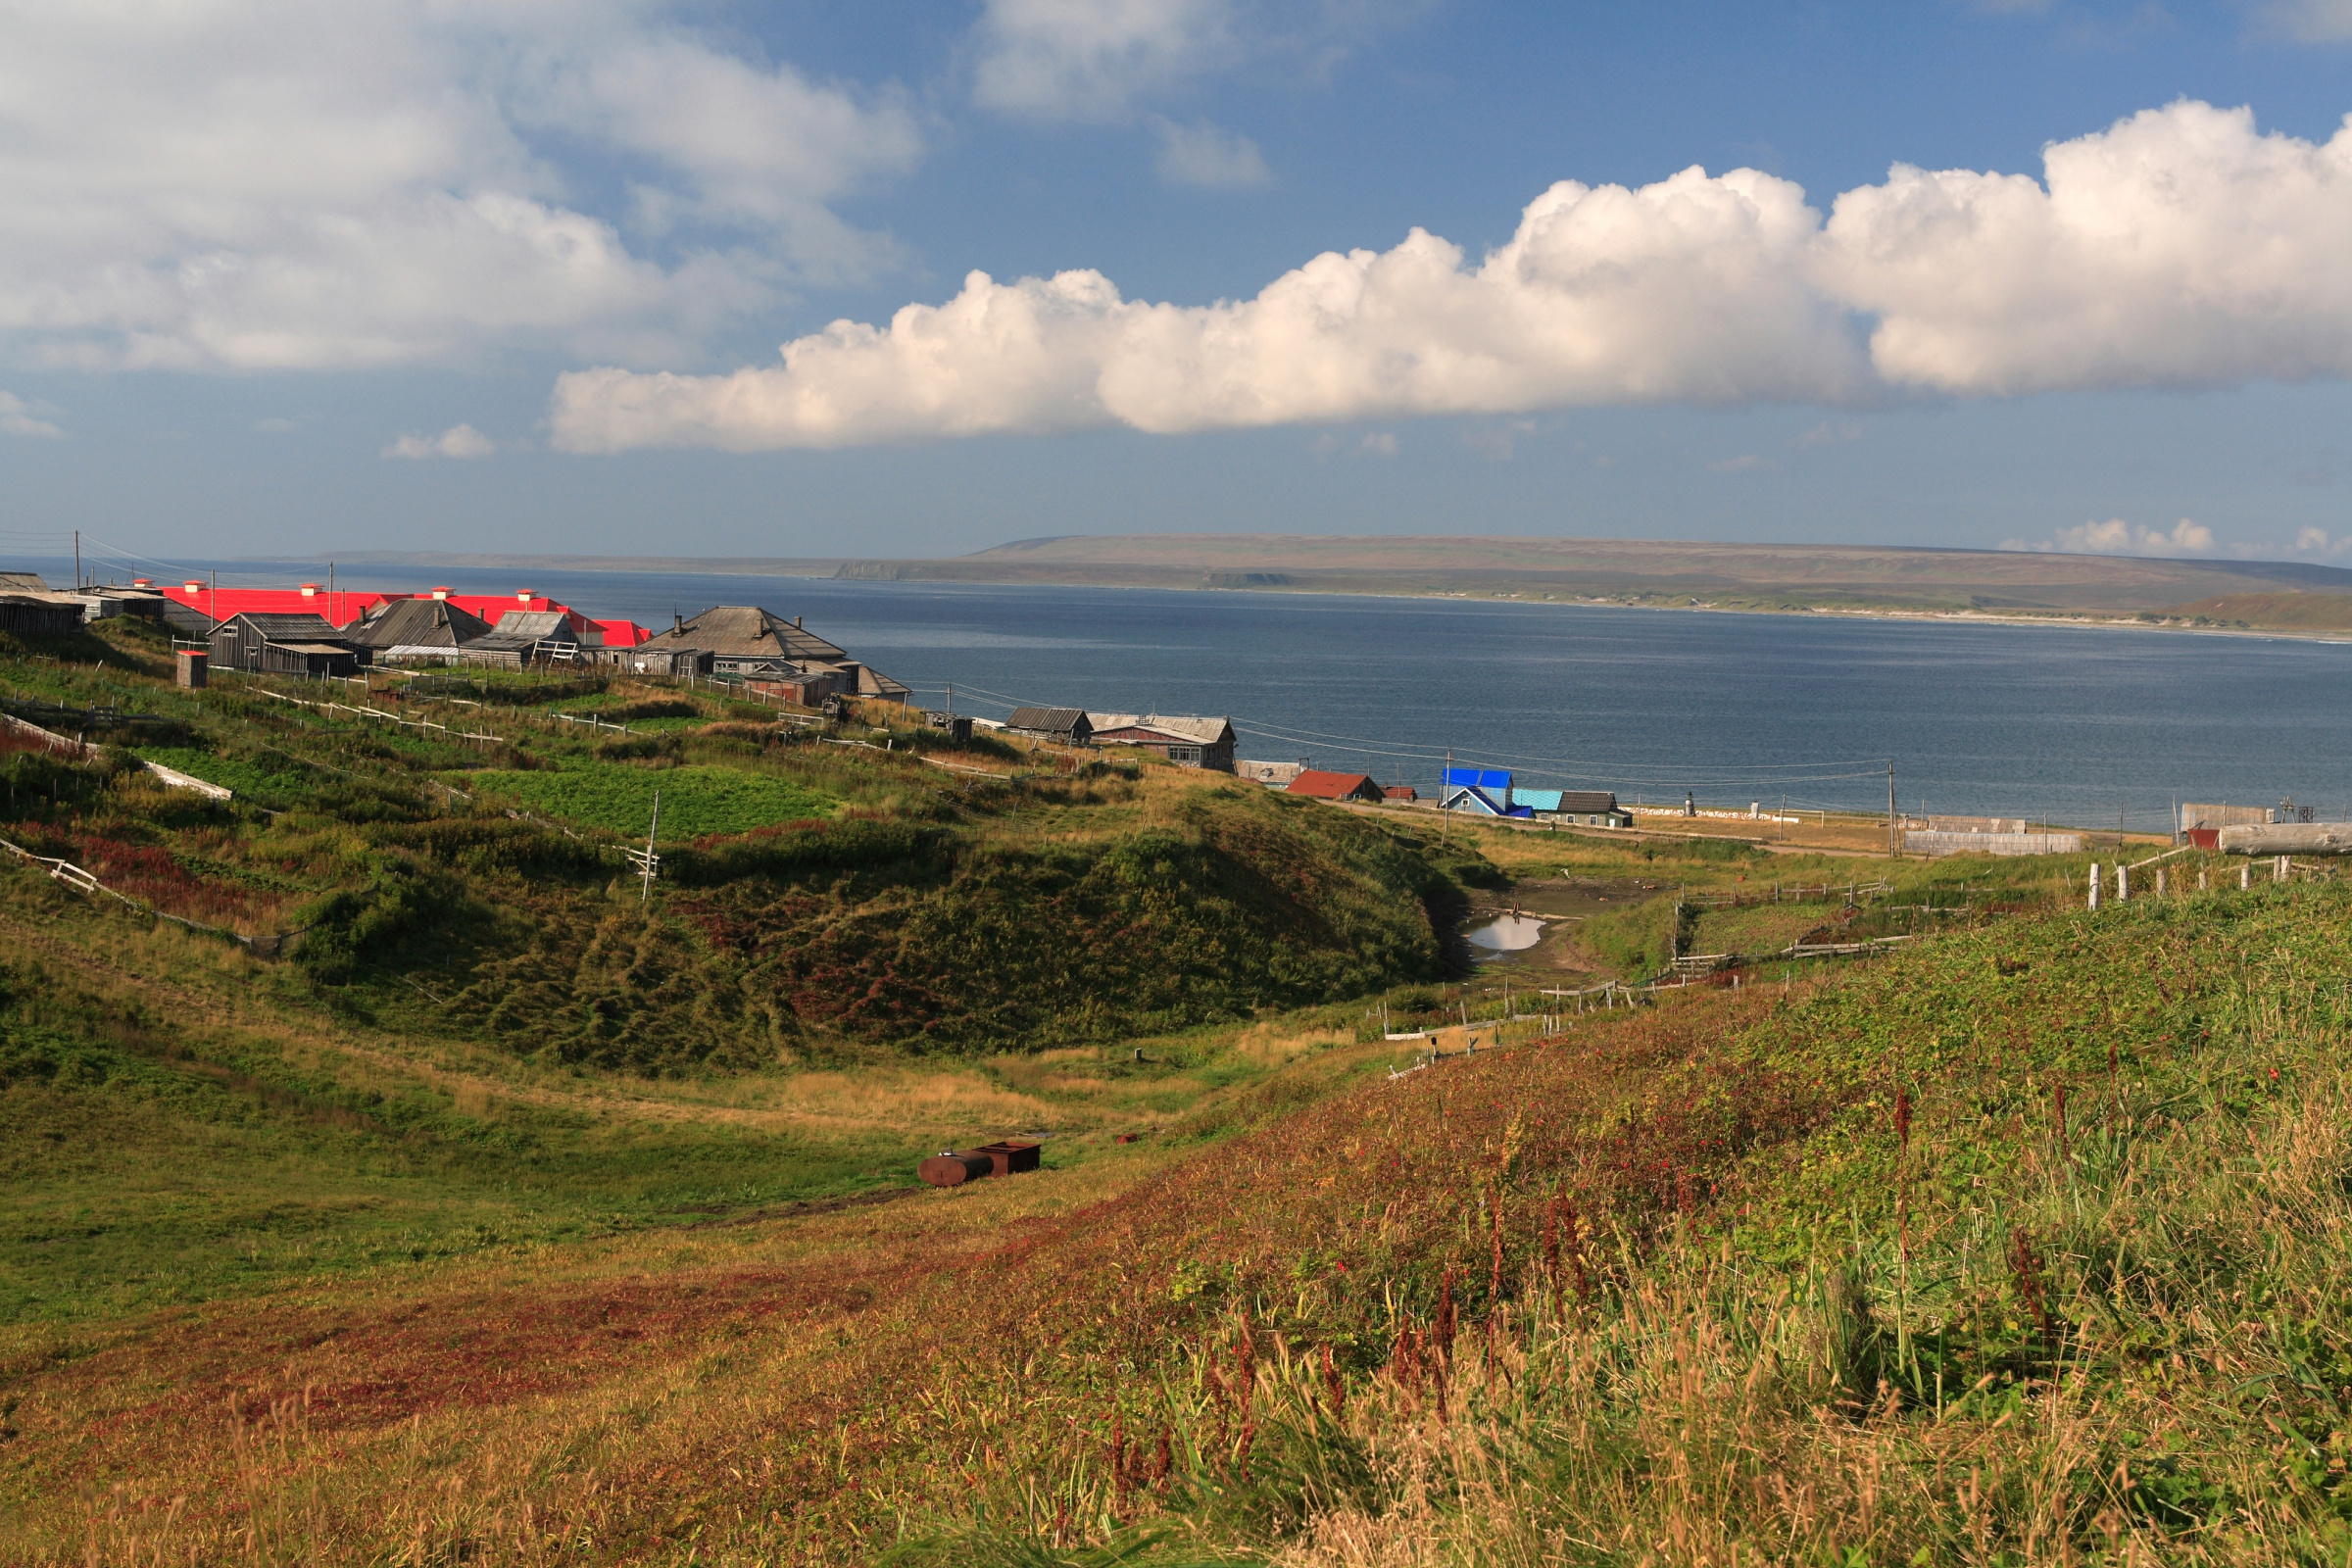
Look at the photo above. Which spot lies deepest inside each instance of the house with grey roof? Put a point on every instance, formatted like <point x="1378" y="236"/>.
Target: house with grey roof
<point x="402" y="632"/>
<point x="284" y="644"/>
<point x="526" y="637"/>
<point x="1187" y="742"/>
<point x="745" y="642"/>
<point x="1063" y="727"/>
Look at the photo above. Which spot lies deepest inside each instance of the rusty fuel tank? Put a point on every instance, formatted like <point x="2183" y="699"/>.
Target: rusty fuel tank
<point x="948" y="1168"/>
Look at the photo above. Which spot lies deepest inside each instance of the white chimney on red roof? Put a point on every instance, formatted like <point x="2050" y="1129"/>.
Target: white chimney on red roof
<point x="440" y="593"/>
<point x="194" y="585"/>
<point x="526" y="595"/>
<point x="142" y="582"/>
<point x="310" y="590"/>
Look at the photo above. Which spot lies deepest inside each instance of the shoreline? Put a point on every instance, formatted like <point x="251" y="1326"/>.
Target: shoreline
<point x="810" y="570"/>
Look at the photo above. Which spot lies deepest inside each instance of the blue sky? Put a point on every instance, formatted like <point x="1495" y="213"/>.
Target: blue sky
<point x="279" y="279"/>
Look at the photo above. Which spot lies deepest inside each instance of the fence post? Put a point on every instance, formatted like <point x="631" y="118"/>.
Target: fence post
<point x="2123" y="883"/>
<point x="2246" y="876"/>
<point x="2094" y="884"/>
<point x="2280" y="875"/>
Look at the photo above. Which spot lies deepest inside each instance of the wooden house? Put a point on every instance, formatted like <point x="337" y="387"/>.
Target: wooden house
<point x="1061" y="726"/>
<point x="1324" y="786"/>
<point x="526" y="637"/>
<point x="283" y="645"/>
<point x="1586" y="807"/>
<point x="1187" y="742"/>
<point x="30" y="616"/>
<point x="1483" y="791"/>
<point x="747" y="643"/>
<point x="412" y="630"/>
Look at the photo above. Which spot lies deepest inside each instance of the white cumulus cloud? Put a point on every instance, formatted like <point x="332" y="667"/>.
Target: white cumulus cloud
<point x="1689" y="290"/>
<point x="19" y="417"/>
<point x="267" y="183"/>
<point x="458" y="441"/>
<point x="2180" y="246"/>
<point x="2116" y="537"/>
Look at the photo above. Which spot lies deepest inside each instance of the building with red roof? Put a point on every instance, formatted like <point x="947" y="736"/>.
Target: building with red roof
<point x="1324" y="786"/>
<point x="341" y="606"/>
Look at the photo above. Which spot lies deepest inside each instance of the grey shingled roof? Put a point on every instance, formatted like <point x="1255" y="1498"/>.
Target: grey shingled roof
<point x="1048" y="721"/>
<point x="1199" y="732"/>
<point x="418" y="624"/>
<point x="521" y="629"/>
<point x="288" y="628"/>
<point x="743" y="631"/>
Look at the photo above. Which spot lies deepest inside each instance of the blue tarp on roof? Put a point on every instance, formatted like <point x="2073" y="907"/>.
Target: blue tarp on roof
<point x="1480" y="778"/>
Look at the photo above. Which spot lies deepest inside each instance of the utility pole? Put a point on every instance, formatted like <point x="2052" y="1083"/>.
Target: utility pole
<point x="78" y="560"/>
<point x="212" y="600"/>
<point x="1445" y="801"/>
<point x="1892" y="848"/>
<point x="330" y="595"/>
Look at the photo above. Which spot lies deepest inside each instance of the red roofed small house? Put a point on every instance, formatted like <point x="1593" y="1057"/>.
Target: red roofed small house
<point x="1324" y="786"/>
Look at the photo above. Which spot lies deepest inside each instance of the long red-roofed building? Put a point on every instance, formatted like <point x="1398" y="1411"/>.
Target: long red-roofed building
<point x="341" y="606"/>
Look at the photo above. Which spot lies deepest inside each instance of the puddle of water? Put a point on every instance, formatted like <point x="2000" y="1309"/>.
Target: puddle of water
<point x="1511" y="933"/>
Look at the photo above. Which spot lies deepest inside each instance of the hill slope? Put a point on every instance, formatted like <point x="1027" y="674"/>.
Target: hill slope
<point x="1725" y="575"/>
<point x="2025" y="1244"/>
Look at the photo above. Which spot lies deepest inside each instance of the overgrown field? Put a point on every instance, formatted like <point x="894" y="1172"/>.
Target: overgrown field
<point x="448" y="857"/>
<point x="502" y="1217"/>
<point x="2027" y="1245"/>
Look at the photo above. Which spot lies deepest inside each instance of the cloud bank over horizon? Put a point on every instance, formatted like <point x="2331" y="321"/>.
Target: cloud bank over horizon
<point x="2180" y="248"/>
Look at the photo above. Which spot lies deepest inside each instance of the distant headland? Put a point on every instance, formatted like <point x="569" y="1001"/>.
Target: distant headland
<point x="1787" y="578"/>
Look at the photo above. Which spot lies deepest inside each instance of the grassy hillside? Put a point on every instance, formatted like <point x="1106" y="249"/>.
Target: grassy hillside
<point x="1729" y="577"/>
<point x="2027" y="1245"/>
<point x="502" y="1218"/>
<point x="385" y="1008"/>
<point x="451" y="857"/>
<point x="2314" y="611"/>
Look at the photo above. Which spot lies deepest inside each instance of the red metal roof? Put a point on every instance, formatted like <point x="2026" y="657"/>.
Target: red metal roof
<point x="625" y="633"/>
<point x="340" y="609"/>
<point x="345" y="606"/>
<point x="1333" y="786"/>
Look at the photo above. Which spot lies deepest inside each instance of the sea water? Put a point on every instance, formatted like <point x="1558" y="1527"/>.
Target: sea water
<point x="2071" y="725"/>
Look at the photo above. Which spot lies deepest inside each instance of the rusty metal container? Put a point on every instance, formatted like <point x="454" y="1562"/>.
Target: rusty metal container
<point x="1011" y="1155"/>
<point x="952" y="1169"/>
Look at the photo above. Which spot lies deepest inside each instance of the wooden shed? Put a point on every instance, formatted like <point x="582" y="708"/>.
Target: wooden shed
<point x="283" y="645"/>
<point x="24" y="615"/>
<point x="1063" y="727"/>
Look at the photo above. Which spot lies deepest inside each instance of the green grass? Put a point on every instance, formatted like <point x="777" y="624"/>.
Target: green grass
<point x="272" y="778"/>
<point x="697" y="800"/>
<point x="144" y="1166"/>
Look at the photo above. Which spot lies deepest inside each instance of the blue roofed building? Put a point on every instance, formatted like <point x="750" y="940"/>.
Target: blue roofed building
<point x="1486" y="791"/>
